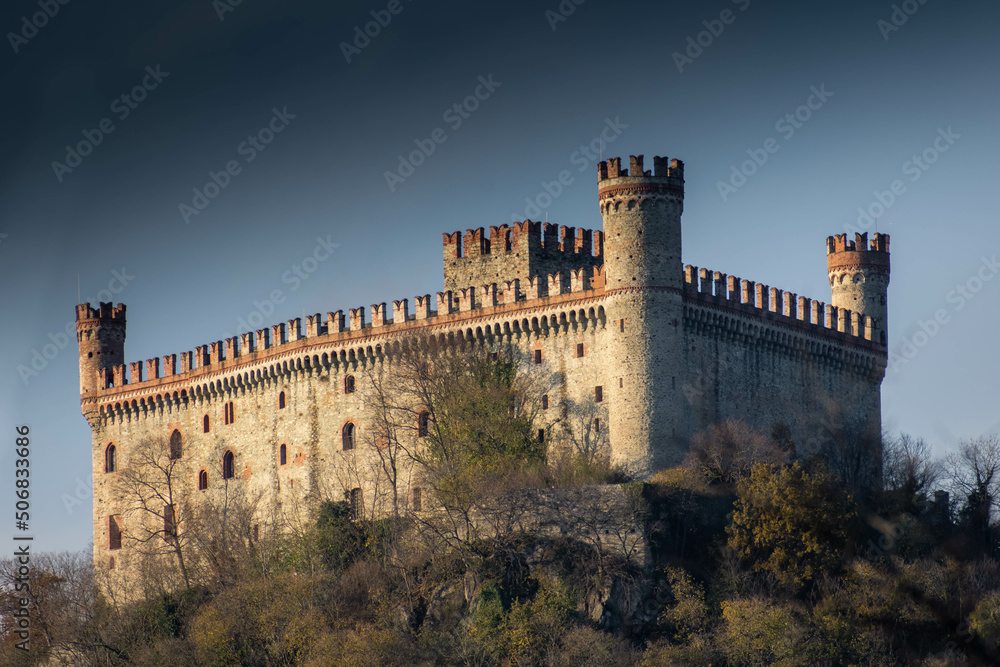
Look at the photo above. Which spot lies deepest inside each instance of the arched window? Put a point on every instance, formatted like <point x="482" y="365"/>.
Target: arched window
<point x="204" y="424"/>
<point x="423" y="424"/>
<point x="281" y="400"/>
<point x="229" y="416"/>
<point x="348" y="435"/>
<point x="349" y="384"/>
<point x="110" y="459"/>
<point x="227" y="465"/>
<point x="202" y="480"/>
<point x="283" y="455"/>
<point x="175" y="445"/>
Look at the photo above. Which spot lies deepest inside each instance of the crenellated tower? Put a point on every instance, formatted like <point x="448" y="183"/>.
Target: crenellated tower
<point x="644" y="280"/>
<point x="101" y="335"/>
<point x="859" y="277"/>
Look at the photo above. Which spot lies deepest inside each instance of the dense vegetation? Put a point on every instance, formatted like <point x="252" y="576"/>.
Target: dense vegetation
<point x="755" y="557"/>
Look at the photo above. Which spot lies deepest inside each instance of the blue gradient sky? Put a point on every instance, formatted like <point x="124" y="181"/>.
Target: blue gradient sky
<point x="323" y="176"/>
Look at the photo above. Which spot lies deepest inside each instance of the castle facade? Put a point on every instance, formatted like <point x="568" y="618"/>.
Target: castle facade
<point x="646" y="352"/>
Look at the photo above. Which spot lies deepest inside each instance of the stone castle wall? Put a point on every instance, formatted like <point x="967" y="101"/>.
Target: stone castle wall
<point x="637" y="354"/>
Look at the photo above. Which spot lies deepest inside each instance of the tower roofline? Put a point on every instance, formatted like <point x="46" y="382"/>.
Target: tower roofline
<point x="858" y="253"/>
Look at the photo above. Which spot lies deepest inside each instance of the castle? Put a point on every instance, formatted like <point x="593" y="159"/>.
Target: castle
<point x="647" y="352"/>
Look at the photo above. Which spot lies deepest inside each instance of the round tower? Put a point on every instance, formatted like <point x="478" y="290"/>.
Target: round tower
<point x="101" y="335"/>
<point x="859" y="278"/>
<point x="644" y="281"/>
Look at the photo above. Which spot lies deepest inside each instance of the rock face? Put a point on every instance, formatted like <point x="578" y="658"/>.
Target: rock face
<point x="639" y="353"/>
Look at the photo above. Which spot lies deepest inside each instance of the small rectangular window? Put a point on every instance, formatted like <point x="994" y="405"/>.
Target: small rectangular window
<point x="579" y="349"/>
<point x="597" y="426"/>
<point x="418" y="501"/>
<point x="598" y="394"/>
<point x="538" y="356"/>
<point x="621" y="323"/>
<point x="545" y="402"/>
<point x="169" y="523"/>
<point x="355" y="500"/>
<point x="256" y="532"/>
<point x="114" y="532"/>
<point x="541" y="435"/>
<point x="621" y="382"/>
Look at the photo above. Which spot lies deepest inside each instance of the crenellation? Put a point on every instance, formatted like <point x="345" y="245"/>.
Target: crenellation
<point x="201" y="356"/>
<point x="761" y="299"/>
<point x="535" y="288"/>
<point x="775" y="300"/>
<point x="335" y="322"/>
<point x="294" y="329"/>
<point x="153" y="368"/>
<point x="579" y="280"/>
<point x="278" y="334"/>
<point x="232" y="347"/>
<point x="554" y="284"/>
<point x="263" y="338"/>
<point x="135" y="372"/>
<point x="733" y="287"/>
<point x="512" y="292"/>
<point x="422" y="306"/>
<point x="487" y="296"/>
<point x="789" y="305"/>
<point x="500" y="239"/>
<point x="719" y="284"/>
<point x="803" y="309"/>
<point x="169" y="365"/>
<point x="357" y="318"/>
<point x="218" y="352"/>
<point x="747" y="297"/>
<point x="816" y="313"/>
<point x="314" y="325"/>
<point x="400" y="311"/>
<point x="476" y="243"/>
<point x="379" y="315"/>
<point x="445" y="303"/>
<point x="550" y="236"/>
<point x="704" y="281"/>
<point x="466" y="298"/>
<point x="119" y="375"/>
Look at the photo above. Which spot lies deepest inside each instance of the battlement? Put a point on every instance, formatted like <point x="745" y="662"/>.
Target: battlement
<point x="763" y="300"/>
<point x="844" y="254"/>
<point x="840" y="243"/>
<point x="452" y="306"/>
<point x="524" y="237"/>
<point x="104" y="311"/>
<point x="662" y="169"/>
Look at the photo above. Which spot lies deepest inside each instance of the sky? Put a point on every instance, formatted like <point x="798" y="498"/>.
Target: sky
<point x="191" y="159"/>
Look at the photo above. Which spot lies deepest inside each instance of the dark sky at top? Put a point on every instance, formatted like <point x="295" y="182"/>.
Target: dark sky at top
<point x="113" y="220"/>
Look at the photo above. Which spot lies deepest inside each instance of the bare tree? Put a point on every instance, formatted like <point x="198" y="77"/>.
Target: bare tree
<point x="975" y="479"/>
<point x="726" y="452"/>
<point x="908" y="471"/>
<point x="150" y="488"/>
